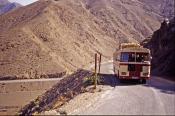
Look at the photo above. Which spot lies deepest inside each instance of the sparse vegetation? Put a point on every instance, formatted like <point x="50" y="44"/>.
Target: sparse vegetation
<point x="91" y="80"/>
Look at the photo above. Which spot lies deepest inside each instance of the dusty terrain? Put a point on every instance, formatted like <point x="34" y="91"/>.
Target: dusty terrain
<point x="49" y="37"/>
<point x="15" y="94"/>
<point x="165" y="8"/>
<point x="63" y="91"/>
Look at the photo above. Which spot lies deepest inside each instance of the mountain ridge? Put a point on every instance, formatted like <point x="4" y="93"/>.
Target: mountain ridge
<point x="52" y="36"/>
<point x="6" y="6"/>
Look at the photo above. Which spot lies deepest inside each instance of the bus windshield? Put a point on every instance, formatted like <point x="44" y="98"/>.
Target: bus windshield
<point x="134" y="57"/>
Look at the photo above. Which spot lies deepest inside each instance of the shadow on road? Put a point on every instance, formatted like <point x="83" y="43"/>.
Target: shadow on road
<point x="164" y="87"/>
<point x="108" y="79"/>
<point x="111" y="80"/>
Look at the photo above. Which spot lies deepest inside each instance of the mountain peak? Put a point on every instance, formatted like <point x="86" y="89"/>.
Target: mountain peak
<point x="6" y="6"/>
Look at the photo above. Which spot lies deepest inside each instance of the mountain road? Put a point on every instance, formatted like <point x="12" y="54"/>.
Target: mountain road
<point x="156" y="97"/>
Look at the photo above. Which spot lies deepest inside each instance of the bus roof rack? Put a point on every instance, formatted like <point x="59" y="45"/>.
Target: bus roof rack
<point x="130" y="45"/>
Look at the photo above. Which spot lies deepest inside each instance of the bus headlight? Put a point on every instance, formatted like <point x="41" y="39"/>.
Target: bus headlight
<point x="123" y="73"/>
<point x="145" y="74"/>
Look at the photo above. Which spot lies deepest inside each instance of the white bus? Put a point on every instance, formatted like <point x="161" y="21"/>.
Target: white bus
<point x="132" y="61"/>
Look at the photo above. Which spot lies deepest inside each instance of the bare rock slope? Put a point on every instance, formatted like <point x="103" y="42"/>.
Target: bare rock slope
<point x="162" y="45"/>
<point x="51" y="36"/>
<point x="165" y="8"/>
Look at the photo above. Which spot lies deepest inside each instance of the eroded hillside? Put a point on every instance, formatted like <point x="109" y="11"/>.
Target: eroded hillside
<point x="165" y="8"/>
<point x="51" y="36"/>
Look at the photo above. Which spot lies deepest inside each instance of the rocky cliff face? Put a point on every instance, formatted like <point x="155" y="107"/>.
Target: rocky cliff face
<point x="162" y="45"/>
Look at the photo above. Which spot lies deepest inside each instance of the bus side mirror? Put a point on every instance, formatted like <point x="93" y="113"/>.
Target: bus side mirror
<point x="151" y="57"/>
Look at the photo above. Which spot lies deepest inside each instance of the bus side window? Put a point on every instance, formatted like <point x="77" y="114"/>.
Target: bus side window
<point x="124" y="57"/>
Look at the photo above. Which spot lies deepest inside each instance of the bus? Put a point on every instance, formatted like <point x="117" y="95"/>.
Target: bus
<point x="132" y="61"/>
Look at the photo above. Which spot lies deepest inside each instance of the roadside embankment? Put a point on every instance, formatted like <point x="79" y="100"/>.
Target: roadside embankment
<point x="59" y="94"/>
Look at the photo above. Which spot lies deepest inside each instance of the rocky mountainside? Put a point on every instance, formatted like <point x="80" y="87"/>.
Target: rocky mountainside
<point x="6" y="6"/>
<point x="51" y="36"/>
<point x="162" y="45"/>
<point x="165" y="8"/>
<point x="122" y="19"/>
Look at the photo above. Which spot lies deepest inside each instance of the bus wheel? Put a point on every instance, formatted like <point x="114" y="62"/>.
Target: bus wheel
<point x="143" y="81"/>
<point x="121" y="80"/>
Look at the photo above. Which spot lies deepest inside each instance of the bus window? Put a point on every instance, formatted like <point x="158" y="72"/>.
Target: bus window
<point x="128" y="57"/>
<point x="131" y="57"/>
<point x="124" y="57"/>
<point x="141" y="57"/>
<point x="146" y="57"/>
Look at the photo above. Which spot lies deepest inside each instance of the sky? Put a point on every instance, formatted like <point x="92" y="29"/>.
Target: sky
<point x="23" y="2"/>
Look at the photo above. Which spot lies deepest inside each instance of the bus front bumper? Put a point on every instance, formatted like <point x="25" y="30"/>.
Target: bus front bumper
<point x="133" y="77"/>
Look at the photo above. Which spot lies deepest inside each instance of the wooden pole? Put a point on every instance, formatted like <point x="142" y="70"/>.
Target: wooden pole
<point x="99" y="64"/>
<point x="95" y="80"/>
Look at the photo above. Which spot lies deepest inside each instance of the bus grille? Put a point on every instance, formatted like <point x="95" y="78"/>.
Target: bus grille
<point x="134" y="67"/>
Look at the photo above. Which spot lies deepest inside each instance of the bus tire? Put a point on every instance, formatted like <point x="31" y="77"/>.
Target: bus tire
<point x="143" y="81"/>
<point x="121" y="80"/>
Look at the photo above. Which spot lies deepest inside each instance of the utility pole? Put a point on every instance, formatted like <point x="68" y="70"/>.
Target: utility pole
<point x="99" y="64"/>
<point x="95" y="77"/>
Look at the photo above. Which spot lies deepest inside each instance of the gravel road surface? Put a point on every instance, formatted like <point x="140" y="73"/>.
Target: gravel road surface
<point x="157" y="97"/>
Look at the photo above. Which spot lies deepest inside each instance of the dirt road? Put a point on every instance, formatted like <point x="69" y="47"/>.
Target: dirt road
<point x="155" y="97"/>
<point x="131" y="98"/>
